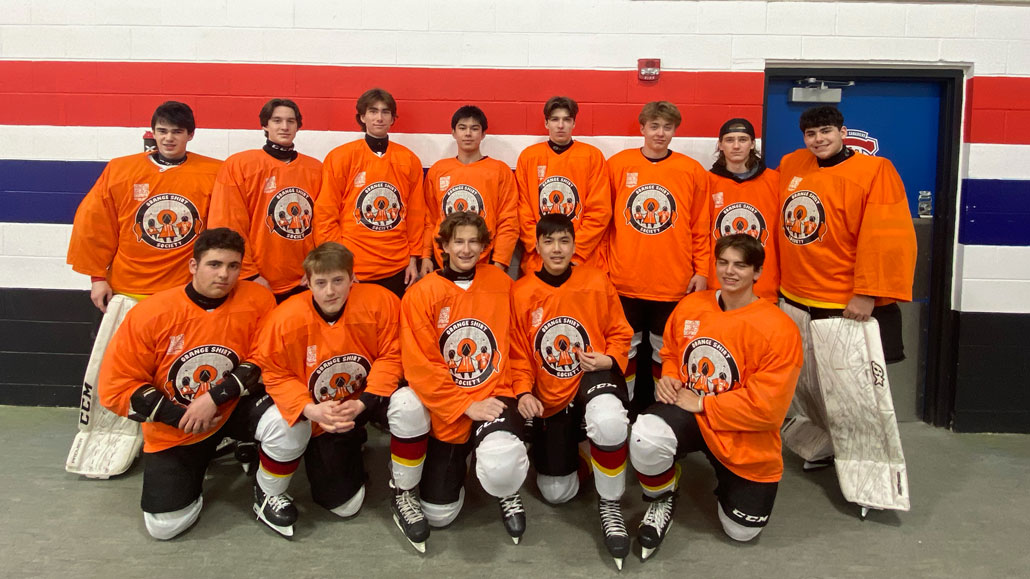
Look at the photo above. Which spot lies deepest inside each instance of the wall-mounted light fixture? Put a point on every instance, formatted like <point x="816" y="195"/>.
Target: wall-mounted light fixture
<point x="649" y="68"/>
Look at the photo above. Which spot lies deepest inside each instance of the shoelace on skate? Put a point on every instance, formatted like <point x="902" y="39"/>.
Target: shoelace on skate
<point x="407" y="507"/>
<point x="658" y="514"/>
<point x="277" y="502"/>
<point x="611" y="518"/>
<point x="512" y="505"/>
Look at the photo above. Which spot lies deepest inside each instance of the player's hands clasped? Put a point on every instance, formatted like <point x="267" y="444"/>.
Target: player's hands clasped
<point x="666" y="389"/>
<point x="201" y="415"/>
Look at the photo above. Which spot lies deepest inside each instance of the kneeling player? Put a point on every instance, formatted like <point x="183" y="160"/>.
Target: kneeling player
<point x="176" y="364"/>
<point x="570" y="342"/>
<point x="331" y="355"/>
<point x="454" y="332"/>
<point x="730" y="362"/>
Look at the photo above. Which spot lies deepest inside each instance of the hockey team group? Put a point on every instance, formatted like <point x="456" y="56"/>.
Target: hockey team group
<point x="659" y="309"/>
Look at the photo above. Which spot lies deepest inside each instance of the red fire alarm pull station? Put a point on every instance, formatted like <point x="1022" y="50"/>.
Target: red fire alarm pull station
<point x="649" y="68"/>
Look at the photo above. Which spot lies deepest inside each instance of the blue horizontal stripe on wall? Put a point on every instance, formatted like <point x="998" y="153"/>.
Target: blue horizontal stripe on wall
<point x="44" y="191"/>
<point x="995" y="212"/>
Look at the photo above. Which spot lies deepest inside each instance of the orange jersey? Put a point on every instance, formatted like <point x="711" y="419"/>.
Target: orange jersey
<point x="486" y="187"/>
<point x="170" y="342"/>
<point x="572" y="183"/>
<point x="552" y="326"/>
<point x="659" y="235"/>
<point x="373" y="205"/>
<point x="444" y="329"/>
<point x="751" y="207"/>
<point x="745" y="362"/>
<point x="846" y="230"/>
<point x="305" y="360"/>
<point x="271" y="203"/>
<point x="130" y="227"/>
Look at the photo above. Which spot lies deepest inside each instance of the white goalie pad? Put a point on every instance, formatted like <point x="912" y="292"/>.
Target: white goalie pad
<point x="860" y="412"/>
<point x="805" y="431"/>
<point x="106" y="444"/>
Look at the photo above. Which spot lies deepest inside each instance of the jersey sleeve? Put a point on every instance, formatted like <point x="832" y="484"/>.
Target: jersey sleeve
<point x="424" y="366"/>
<point x="700" y="225"/>
<point x="763" y="401"/>
<point x="886" y="253"/>
<point x="507" y="217"/>
<point x="386" y="369"/>
<point x="523" y="362"/>
<point x="597" y="212"/>
<point x="429" y="200"/>
<point x="671" y="345"/>
<point x="228" y="209"/>
<point x="129" y="362"/>
<point x="273" y="354"/>
<point x="94" y="238"/>
<point x="326" y="221"/>
<point x="527" y="206"/>
<point x="416" y="208"/>
<point x="618" y="334"/>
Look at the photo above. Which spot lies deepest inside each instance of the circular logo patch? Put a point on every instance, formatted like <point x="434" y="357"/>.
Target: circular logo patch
<point x="339" y="378"/>
<point x="167" y="221"/>
<point x="559" y="195"/>
<point x="737" y="218"/>
<point x="470" y="351"/>
<point x="194" y="372"/>
<point x="650" y="209"/>
<point x="804" y="219"/>
<point x="708" y="367"/>
<point x="462" y="198"/>
<point x="289" y="213"/>
<point x="379" y="207"/>
<point x="559" y="342"/>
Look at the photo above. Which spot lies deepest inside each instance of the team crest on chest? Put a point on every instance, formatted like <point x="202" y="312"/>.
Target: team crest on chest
<point x="338" y="378"/>
<point x="737" y="218"/>
<point x="167" y="221"/>
<point x="559" y="195"/>
<point x="804" y="219"/>
<point x="379" y="207"/>
<point x="559" y="343"/>
<point x="462" y="198"/>
<point x="289" y="213"/>
<point x="196" y="371"/>
<point x="650" y="209"/>
<point x="470" y="351"/>
<point x="708" y="367"/>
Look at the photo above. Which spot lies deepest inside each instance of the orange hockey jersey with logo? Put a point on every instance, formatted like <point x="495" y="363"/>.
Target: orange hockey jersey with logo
<point x="305" y="360"/>
<point x="373" y="205"/>
<point x="572" y="183"/>
<point x="168" y="341"/>
<point x="745" y="362"/>
<point x="845" y="230"/>
<point x="454" y="346"/>
<point x="136" y="226"/>
<point x="659" y="234"/>
<point x="751" y="207"/>
<point x="271" y="203"/>
<point x="551" y="326"/>
<point x="486" y="187"/>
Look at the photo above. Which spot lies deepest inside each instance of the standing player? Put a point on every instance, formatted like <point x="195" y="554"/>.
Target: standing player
<point x="332" y="356"/>
<point x="562" y="176"/>
<point x="745" y="199"/>
<point x="178" y="364"/>
<point x="472" y="182"/>
<point x="255" y="187"/>
<point x="449" y="320"/>
<point x="371" y="199"/>
<point x="848" y="249"/>
<point x="569" y="345"/>
<point x="658" y="248"/>
<point x="128" y="234"/>
<point x="729" y="365"/>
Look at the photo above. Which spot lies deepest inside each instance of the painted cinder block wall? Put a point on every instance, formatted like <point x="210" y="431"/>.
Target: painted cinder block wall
<point x="78" y="81"/>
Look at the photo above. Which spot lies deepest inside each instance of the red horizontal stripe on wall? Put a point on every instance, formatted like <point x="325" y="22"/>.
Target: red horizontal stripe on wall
<point x="228" y="96"/>
<point x="998" y="110"/>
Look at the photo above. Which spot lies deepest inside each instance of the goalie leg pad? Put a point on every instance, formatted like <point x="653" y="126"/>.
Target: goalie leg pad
<point x="165" y="526"/>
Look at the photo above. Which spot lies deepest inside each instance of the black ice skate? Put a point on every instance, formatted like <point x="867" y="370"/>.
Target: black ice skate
<point x="276" y="511"/>
<point x="513" y="514"/>
<point x="407" y="513"/>
<point x="616" y="539"/>
<point x="656" y="523"/>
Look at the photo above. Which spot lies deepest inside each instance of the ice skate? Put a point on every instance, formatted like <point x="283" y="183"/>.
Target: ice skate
<point x="513" y="515"/>
<point x="655" y="524"/>
<point x="407" y="513"/>
<point x="616" y="539"/>
<point x="276" y="511"/>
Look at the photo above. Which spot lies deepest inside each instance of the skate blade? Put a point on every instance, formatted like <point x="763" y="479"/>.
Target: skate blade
<point x="645" y="553"/>
<point x="284" y="531"/>
<point x="420" y="547"/>
<point x="618" y="563"/>
<point x="516" y="540"/>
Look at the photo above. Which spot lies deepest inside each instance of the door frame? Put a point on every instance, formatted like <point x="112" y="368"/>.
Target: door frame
<point x="937" y="396"/>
